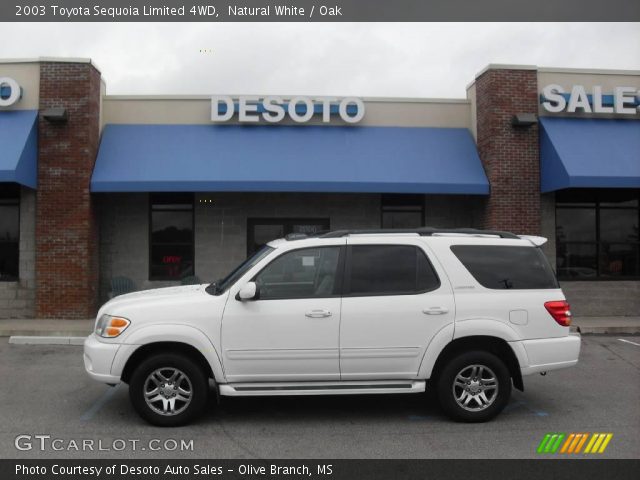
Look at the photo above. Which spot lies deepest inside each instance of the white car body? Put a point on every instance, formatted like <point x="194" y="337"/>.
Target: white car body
<point x="339" y="345"/>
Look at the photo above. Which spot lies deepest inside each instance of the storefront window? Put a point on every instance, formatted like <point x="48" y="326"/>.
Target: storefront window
<point x="263" y="230"/>
<point x="171" y="236"/>
<point x="9" y="231"/>
<point x="402" y="211"/>
<point x="597" y="234"/>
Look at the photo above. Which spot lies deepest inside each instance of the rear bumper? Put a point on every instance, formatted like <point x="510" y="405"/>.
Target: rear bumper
<point x="98" y="358"/>
<point x="548" y="354"/>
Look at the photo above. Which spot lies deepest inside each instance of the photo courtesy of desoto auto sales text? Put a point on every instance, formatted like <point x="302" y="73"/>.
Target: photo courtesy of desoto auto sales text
<point x="289" y="240"/>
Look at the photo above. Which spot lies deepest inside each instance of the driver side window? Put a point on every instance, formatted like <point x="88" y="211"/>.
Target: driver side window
<point x="304" y="273"/>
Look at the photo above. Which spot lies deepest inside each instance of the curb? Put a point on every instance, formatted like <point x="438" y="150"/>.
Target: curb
<point x="24" y="332"/>
<point x="609" y="330"/>
<point x="36" y="340"/>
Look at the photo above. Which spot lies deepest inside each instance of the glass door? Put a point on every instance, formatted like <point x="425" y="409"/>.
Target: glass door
<point x="263" y="230"/>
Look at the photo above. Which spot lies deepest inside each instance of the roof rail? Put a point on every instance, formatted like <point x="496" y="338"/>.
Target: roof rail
<point x="422" y="231"/>
<point x="302" y="236"/>
<point x="295" y="236"/>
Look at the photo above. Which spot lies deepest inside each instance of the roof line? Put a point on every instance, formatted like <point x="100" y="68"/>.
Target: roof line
<point x="51" y="59"/>
<point x="461" y="101"/>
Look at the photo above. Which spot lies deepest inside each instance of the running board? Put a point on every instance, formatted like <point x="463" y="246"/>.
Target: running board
<point x="320" y="388"/>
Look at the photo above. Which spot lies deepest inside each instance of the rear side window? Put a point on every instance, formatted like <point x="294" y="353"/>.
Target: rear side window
<point x="506" y="267"/>
<point x="389" y="270"/>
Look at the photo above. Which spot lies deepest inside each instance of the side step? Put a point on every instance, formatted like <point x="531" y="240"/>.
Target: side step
<point x="264" y="389"/>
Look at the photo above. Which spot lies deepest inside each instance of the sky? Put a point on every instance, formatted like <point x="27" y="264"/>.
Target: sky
<point x="432" y="60"/>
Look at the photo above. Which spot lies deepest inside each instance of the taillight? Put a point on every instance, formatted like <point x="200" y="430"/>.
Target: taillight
<point x="559" y="310"/>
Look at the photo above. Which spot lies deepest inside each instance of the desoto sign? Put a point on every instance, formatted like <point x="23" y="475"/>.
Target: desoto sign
<point x="623" y="100"/>
<point x="275" y="109"/>
<point x="10" y="91"/>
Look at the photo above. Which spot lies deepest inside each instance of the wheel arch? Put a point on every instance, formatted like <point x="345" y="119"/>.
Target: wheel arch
<point x="149" y="349"/>
<point x="495" y="345"/>
<point x="183" y="339"/>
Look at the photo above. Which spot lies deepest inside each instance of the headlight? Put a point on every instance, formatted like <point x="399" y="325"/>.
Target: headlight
<point x="110" y="327"/>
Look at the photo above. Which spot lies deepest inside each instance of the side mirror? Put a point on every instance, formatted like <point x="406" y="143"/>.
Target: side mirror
<point x="248" y="292"/>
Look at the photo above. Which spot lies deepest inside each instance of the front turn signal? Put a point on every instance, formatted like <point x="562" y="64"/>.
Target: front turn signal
<point x="111" y="327"/>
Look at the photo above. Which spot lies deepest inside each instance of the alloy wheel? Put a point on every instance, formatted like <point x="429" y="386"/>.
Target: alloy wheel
<point x="168" y="391"/>
<point x="475" y="388"/>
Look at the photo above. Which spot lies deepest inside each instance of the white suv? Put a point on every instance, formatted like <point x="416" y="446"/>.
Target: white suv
<point x="467" y="311"/>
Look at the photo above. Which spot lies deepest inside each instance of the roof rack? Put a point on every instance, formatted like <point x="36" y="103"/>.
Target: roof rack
<point x="302" y="236"/>
<point x="295" y="236"/>
<point x="423" y="231"/>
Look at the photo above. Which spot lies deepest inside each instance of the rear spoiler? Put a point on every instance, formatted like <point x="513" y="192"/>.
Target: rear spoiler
<point x="535" y="241"/>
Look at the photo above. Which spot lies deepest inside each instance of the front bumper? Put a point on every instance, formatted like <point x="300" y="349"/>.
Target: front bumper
<point x="98" y="358"/>
<point x="548" y="354"/>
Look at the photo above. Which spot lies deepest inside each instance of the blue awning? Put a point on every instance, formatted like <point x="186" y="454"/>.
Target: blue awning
<point x="589" y="153"/>
<point x="19" y="147"/>
<point x="154" y="158"/>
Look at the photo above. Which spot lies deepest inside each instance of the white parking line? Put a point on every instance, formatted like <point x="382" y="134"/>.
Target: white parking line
<point x="101" y="402"/>
<point x="629" y="341"/>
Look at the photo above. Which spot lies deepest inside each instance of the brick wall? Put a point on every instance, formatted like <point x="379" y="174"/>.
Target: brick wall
<point x="510" y="155"/>
<point x="66" y="227"/>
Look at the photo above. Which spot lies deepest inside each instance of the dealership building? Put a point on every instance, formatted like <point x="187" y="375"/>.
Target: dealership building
<point x="106" y="193"/>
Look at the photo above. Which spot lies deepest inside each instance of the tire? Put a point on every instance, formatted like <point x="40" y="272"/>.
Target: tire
<point x="175" y="386"/>
<point x="467" y="400"/>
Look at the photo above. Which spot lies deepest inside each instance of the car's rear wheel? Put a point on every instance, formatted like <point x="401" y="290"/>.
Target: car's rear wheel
<point x="474" y="386"/>
<point x="168" y="390"/>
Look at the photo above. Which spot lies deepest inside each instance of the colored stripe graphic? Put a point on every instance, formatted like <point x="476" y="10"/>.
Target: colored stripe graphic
<point x="556" y="445"/>
<point x="551" y="442"/>
<point x="607" y="439"/>
<point x="572" y="443"/>
<point x="575" y="442"/>
<point x="567" y="443"/>
<point x="543" y="443"/>
<point x="581" y="442"/>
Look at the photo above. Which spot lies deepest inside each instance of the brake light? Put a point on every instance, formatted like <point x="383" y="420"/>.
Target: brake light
<point x="559" y="310"/>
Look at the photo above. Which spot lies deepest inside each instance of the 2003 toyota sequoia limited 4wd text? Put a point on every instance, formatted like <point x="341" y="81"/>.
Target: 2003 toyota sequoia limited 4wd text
<point x="467" y="312"/>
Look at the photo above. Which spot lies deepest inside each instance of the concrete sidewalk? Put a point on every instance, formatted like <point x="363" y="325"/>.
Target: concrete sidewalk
<point x="608" y="325"/>
<point x="45" y="327"/>
<point x="81" y="328"/>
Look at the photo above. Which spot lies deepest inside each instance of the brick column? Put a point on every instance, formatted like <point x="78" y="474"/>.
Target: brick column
<point x="510" y="155"/>
<point x="66" y="227"/>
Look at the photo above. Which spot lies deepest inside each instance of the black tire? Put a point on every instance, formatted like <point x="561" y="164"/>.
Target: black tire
<point x="193" y="380"/>
<point x="452" y="395"/>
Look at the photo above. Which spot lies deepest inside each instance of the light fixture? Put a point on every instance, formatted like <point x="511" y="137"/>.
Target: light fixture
<point x="56" y="115"/>
<point x="524" y="119"/>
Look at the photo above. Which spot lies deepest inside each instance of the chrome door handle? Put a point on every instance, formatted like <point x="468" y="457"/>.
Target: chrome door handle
<point x="435" y="310"/>
<point x="318" y="313"/>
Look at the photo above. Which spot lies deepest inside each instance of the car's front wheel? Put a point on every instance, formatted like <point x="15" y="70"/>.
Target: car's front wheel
<point x="474" y="386"/>
<point x="168" y="390"/>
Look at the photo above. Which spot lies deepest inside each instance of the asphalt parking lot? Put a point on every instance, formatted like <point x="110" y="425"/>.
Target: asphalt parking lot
<point x="45" y="391"/>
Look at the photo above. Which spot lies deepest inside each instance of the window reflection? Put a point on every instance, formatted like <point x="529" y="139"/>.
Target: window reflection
<point x="597" y="234"/>
<point x="172" y="242"/>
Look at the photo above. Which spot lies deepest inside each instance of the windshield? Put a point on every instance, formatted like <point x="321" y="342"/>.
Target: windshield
<point x="222" y="285"/>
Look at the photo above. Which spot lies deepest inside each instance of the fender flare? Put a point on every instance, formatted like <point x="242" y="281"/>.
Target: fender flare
<point x="439" y="341"/>
<point x="175" y="333"/>
<point x="485" y="327"/>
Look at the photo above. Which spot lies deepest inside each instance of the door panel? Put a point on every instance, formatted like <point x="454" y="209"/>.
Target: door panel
<point x="275" y="338"/>
<point x="385" y="336"/>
